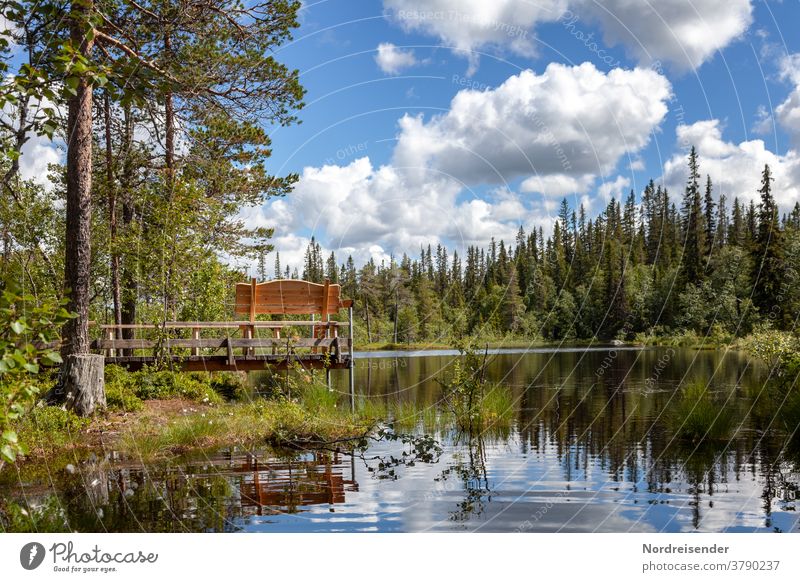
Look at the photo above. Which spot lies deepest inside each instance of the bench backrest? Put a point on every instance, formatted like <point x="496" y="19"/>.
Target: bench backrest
<point x="288" y="296"/>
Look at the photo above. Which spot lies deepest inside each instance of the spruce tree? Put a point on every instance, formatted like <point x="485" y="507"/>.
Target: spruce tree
<point x="768" y="254"/>
<point x="693" y="225"/>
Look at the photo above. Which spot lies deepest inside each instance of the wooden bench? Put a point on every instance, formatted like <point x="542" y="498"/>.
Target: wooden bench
<point x="290" y="297"/>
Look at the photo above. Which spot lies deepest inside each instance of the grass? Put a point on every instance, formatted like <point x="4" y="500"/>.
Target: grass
<point x="280" y="422"/>
<point x="153" y="414"/>
<point x="497" y="405"/>
<point x="48" y="429"/>
<point x="698" y="417"/>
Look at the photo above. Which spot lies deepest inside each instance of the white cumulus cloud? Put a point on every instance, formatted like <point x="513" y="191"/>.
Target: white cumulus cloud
<point x="393" y="60"/>
<point x="735" y="169"/>
<point x="788" y="112"/>
<point x="566" y="123"/>
<point x="471" y="25"/>
<point x="685" y="34"/>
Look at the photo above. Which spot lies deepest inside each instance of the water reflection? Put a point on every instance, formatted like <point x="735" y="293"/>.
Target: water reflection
<point x="274" y="487"/>
<point x="589" y="450"/>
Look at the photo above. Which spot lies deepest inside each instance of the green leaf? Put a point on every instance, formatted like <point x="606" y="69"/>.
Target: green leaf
<point x="10" y="436"/>
<point x="32" y="368"/>
<point x="53" y="357"/>
<point x="8" y="453"/>
<point x="71" y="85"/>
<point x="17" y="327"/>
<point x="49" y="128"/>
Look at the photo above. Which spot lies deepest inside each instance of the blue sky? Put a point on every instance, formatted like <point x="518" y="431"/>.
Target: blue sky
<point x="457" y="120"/>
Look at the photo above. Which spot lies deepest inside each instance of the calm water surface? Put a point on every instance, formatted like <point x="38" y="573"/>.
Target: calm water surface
<point x="588" y="451"/>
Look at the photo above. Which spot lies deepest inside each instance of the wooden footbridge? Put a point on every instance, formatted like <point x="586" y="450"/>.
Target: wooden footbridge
<point x="245" y="345"/>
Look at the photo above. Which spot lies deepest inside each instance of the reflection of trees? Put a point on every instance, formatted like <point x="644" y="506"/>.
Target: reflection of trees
<point x="208" y="494"/>
<point x="470" y="468"/>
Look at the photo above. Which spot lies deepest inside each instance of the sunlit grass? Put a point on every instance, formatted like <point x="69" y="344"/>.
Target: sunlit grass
<point x="279" y="422"/>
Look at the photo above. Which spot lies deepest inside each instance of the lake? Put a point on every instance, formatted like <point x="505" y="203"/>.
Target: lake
<point x="587" y="451"/>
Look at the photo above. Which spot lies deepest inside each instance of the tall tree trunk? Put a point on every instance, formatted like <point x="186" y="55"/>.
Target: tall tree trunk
<point x="169" y="119"/>
<point x="20" y="139"/>
<point x="112" y="216"/>
<point x="396" y="309"/>
<point x="130" y="266"/>
<point x="369" y="329"/>
<point x="169" y="162"/>
<point x="79" y="193"/>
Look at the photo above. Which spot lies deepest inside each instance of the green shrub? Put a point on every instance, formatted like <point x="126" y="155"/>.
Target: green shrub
<point x="27" y="327"/>
<point x="474" y="403"/>
<point x="166" y="384"/>
<point x="120" y="389"/>
<point x="122" y="399"/>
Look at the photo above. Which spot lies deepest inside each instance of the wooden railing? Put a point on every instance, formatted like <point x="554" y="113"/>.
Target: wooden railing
<point x="247" y="351"/>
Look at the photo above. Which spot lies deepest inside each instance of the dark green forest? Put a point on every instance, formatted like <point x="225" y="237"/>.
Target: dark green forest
<point x="654" y="266"/>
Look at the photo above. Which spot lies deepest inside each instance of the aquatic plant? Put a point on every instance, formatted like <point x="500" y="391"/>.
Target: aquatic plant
<point x="697" y="416"/>
<point x="475" y="403"/>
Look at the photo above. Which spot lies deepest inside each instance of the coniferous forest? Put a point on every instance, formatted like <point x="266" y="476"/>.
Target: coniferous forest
<point x="699" y="262"/>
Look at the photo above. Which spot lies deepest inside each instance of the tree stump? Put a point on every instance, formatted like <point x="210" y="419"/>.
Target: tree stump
<point x="81" y="384"/>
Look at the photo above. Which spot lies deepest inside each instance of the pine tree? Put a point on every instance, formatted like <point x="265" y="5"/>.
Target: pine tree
<point x="723" y="223"/>
<point x="331" y="270"/>
<point x="513" y="307"/>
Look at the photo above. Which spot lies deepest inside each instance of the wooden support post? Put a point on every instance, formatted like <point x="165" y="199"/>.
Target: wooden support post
<point x="253" y="297"/>
<point x="195" y="336"/>
<point x="253" y="288"/>
<point x="325" y="307"/>
<point x="231" y="358"/>
<point x="352" y="362"/>
<point x="111" y="334"/>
